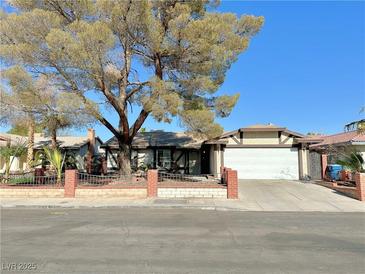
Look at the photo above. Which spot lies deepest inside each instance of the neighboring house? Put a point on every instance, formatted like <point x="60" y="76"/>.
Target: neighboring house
<point x="256" y="152"/>
<point x="79" y="146"/>
<point x="12" y="140"/>
<point x="338" y="145"/>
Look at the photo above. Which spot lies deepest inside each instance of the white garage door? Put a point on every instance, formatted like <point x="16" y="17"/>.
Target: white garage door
<point x="263" y="163"/>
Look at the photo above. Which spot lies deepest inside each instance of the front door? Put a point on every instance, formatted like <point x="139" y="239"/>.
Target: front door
<point x="205" y="159"/>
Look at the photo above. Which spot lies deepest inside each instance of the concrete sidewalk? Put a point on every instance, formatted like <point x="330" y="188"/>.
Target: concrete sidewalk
<point x="255" y="195"/>
<point x="208" y="204"/>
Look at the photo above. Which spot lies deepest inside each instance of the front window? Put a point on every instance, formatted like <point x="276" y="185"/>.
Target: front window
<point x="164" y="158"/>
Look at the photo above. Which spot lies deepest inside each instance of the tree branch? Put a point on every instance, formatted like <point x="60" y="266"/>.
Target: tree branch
<point x="75" y="90"/>
<point x="138" y="123"/>
<point x="135" y="90"/>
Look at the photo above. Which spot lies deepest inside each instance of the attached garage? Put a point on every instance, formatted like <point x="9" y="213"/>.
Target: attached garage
<point x="261" y="152"/>
<point x="263" y="163"/>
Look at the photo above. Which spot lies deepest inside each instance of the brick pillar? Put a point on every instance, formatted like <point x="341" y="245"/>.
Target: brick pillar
<point x="360" y="185"/>
<point x="152" y="179"/>
<point x="324" y="165"/>
<point x="71" y="180"/>
<point x="232" y="184"/>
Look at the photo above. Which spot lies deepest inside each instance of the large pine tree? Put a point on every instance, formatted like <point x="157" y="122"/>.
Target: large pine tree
<point x="103" y="46"/>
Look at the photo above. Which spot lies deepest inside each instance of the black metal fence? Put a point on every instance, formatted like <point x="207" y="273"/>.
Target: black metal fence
<point x="85" y="179"/>
<point x="32" y="180"/>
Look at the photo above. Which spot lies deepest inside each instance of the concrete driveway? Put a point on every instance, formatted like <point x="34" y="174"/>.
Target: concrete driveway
<point x="284" y="195"/>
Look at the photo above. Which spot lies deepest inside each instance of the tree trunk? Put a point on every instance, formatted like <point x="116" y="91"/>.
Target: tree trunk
<point x="30" y="145"/>
<point x="124" y="158"/>
<point x="54" y="138"/>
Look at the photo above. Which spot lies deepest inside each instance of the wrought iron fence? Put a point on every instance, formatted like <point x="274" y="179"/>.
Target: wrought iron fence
<point x="187" y="178"/>
<point x="31" y="180"/>
<point x="86" y="179"/>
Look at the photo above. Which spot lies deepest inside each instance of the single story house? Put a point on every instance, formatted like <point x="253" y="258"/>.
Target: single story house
<point x="171" y="151"/>
<point x="256" y="152"/>
<point x="79" y="146"/>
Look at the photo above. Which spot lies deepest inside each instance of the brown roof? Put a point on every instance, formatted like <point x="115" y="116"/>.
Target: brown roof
<point x="312" y="139"/>
<point x="160" y="138"/>
<point x="350" y="137"/>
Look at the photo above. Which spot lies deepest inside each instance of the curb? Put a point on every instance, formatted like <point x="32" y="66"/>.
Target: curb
<point x="212" y="208"/>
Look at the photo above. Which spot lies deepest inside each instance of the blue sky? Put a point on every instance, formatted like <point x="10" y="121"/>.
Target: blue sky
<point x="305" y="70"/>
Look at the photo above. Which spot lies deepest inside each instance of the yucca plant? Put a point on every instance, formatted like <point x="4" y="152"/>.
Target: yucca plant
<point x="352" y="161"/>
<point x="56" y="159"/>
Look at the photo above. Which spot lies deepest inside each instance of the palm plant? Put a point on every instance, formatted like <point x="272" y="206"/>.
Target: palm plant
<point x="353" y="161"/>
<point x="56" y="159"/>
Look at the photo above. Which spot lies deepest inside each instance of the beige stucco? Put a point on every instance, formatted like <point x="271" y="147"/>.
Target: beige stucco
<point x="264" y="138"/>
<point x="215" y="159"/>
<point x="303" y="163"/>
<point x="261" y="138"/>
<point x="285" y="139"/>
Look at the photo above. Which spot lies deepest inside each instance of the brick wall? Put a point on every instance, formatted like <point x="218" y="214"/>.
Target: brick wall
<point x="31" y="192"/>
<point x="357" y="192"/>
<point x="348" y="191"/>
<point x="132" y="193"/>
<point x="71" y="188"/>
<point x="192" y="192"/>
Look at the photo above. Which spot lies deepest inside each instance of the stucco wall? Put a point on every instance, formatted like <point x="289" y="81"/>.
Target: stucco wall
<point x="259" y="138"/>
<point x="303" y="163"/>
<point x="215" y="159"/>
<point x="285" y="139"/>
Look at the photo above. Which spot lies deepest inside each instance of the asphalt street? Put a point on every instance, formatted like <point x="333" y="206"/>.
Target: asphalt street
<point x="142" y="240"/>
